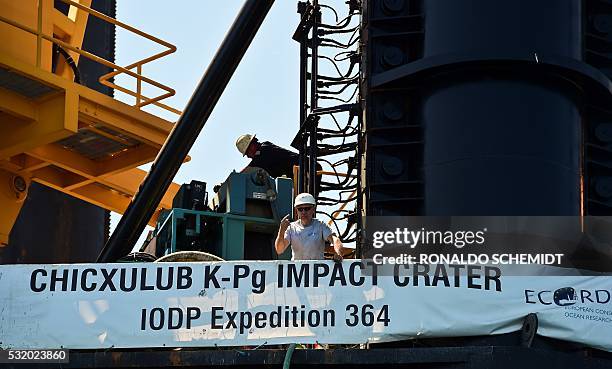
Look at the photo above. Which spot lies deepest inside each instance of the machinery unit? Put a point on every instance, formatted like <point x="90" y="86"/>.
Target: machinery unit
<point x="240" y="222"/>
<point x="191" y="196"/>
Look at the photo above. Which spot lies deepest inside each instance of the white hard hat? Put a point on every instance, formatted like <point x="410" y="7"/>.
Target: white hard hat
<point x="304" y="199"/>
<point x="243" y="142"/>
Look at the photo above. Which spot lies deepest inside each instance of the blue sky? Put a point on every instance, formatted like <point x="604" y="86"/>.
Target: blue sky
<point x="261" y="98"/>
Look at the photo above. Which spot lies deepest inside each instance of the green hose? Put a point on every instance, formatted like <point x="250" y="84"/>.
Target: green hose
<point x="288" y="355"/>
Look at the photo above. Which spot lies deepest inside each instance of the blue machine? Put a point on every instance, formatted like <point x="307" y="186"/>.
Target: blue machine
<point x="239" y="223"/>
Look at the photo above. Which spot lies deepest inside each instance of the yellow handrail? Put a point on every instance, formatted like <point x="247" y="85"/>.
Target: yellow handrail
<point x="105" y="79"/>
<point x="38" y="33"/>
<point x="141" y="100"/>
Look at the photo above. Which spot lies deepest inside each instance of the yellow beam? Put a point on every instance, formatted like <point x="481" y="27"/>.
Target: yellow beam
<point x="89" y="169"/>
<point x="65" y="159"/>
<point x="115" y="197"/>
<point x="80" y="20"/>
<point x="30" y="164"/>
<point x="17" y="106"/>
<point x="74" y="38"/>
<point x="56" y="120"/>
<point x="77" y="184"/>
<point x="11" y="201"/>
<point x="131" y="158"/>
<point x="62" y="25"/>
<point x="126" y="182"/>
<point x="100" y="132"/>
<point x="103" y="197"/>
<point x="107" y="199"/>
<point x="10" y="166"/>
<point x="130" y="180"/>
<point x="22" y="164"/>
<point x="125" y="119"/>
<point x="123" y="162"/>
<point x="54" y="178"/>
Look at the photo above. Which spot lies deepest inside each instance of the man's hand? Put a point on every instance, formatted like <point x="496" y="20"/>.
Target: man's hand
<point x="338" y="249"/>
<point x="284" y="224"/>
<point x="338" y="258"/>
<point x="280" y="244"/>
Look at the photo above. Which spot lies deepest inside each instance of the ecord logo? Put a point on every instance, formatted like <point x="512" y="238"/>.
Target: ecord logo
<point x="567" y="296"/>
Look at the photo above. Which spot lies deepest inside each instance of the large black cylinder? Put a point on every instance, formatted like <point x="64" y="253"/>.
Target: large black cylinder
<point x="500" y="26"/>
<point x="498" y="139"/>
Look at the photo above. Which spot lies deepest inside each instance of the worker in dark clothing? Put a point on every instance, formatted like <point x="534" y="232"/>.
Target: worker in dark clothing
<point x="273" y="159"/>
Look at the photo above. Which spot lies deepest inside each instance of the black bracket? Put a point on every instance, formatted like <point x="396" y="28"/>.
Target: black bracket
<point x="313" y="118"/>
<point x="306" y="22"/>
<point x="298" y="141"/>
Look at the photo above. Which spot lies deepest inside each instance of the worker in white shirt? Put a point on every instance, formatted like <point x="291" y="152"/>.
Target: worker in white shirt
<point x="307" y="235"/>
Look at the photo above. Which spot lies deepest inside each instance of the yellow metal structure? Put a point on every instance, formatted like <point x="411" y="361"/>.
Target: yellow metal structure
<point x="13" y="191"/>
<point x="23" y="46"/>
<point x="62" y="134"/>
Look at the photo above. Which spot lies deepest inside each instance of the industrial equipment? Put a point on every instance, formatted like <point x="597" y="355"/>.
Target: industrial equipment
<point x="239" y="223"/>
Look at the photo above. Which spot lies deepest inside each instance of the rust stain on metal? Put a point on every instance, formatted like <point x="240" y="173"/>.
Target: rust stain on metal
<point x="116" y="357"/>
<point x="175" y="358"/>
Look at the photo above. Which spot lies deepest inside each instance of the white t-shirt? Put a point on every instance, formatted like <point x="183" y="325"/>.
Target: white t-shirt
<point x="307" y="243"/>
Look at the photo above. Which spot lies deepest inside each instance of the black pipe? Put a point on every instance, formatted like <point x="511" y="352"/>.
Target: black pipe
<point x="312" y="171"/>
<point x="57" y="49"/>
<point x="314" y="62"/>
<point x="186" y="130"/>
<point x="303" y="110"/>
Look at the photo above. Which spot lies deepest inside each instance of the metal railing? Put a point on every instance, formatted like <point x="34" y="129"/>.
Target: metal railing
<point x="140" y="99"/>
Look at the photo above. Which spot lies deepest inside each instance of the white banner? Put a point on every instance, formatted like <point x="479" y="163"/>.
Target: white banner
<point x="92" y="306"/>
